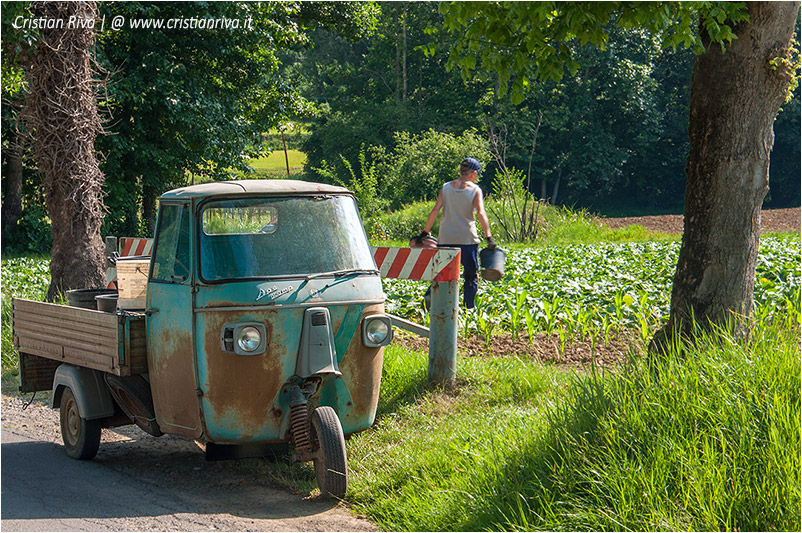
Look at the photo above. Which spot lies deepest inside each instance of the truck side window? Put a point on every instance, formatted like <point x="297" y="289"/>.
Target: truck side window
<point x="172" y="246"/>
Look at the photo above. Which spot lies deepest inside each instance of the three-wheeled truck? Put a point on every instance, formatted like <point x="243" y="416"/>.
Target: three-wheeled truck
<point x="263" y="326"/>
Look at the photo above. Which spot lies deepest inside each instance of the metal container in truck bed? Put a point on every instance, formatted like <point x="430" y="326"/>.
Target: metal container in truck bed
<point x="47" y="335"/>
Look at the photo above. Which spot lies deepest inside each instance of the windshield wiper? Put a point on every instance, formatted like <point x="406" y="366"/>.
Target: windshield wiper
<point x="346" y="272"/>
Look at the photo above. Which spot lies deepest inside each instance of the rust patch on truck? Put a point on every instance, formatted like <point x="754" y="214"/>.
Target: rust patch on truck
<point x="361" y="370"/>
<point x="240" y="389"/>
<point x="172" y="383"/>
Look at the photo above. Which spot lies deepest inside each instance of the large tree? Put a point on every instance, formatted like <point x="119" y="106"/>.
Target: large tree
<point x="61" y="111"/>
<point x="735" y="96"/>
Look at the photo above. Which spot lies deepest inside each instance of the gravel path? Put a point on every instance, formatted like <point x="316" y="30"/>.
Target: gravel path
<point x="186" y="492"/>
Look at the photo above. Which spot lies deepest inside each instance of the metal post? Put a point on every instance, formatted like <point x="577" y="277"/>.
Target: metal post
<point x="111" y="247"/>
<point x="443" y="333"/>
<point x="111" y="268"/>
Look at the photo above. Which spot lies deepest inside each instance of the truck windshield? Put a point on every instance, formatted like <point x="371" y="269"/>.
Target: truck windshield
<point x="270" y="237"/>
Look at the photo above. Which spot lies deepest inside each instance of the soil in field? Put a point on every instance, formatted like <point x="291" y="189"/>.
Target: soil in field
<point x="577" y="352"/>
<point x="772" y="221"/>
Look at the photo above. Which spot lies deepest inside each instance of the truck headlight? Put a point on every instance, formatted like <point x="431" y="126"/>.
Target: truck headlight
<point x="377" y="330"/>
<point x="249" y="339"/>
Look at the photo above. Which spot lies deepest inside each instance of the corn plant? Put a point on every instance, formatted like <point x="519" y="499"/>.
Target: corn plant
<point x="515" y="308"/>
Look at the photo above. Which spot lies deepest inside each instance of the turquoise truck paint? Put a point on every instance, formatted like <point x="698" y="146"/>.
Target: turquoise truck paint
<point x="205" y="391"/>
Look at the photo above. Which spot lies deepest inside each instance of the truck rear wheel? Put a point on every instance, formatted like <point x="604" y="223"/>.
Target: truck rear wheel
<point x="331" y="463"/>
<point x="81" y="436"/>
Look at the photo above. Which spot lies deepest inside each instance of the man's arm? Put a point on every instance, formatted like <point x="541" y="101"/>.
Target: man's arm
<point x="438" y="205"/>
<point x="481" y="215"/>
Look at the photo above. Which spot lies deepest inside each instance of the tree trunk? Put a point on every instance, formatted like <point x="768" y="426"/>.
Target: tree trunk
<point x="12" y="193"/>
<point x="149" y="209"/>
<point x="556" y="189"/>
<point x="404" y="58"/>
<point x="62" y="113"/>
<point x="734" y="98"/>
<point x="397" y="56"/>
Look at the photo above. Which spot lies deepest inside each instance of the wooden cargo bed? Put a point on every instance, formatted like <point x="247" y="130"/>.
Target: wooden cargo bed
<point x="46" y="335"/>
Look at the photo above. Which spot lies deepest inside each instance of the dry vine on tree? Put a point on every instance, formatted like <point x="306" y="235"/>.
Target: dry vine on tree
<point x="61" y="111"/>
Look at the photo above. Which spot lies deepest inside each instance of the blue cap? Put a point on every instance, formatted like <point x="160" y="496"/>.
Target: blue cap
<point x="471" y="163"/>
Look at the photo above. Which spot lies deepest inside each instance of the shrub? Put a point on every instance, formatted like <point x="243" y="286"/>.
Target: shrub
<point x="407" y="222"/>
<point x="364" y="186"/>
<point x="516" y="214"/>
<point x="32" y="233"/>
<point x="420" y="164"/>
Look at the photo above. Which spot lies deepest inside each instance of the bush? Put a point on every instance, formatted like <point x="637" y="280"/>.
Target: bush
<point x="516" y="214"/>
<point x="419" y="165"/>
<point x="32" y="233"/>
<point x="364" y="186"/>
<point x="402" y="224"/>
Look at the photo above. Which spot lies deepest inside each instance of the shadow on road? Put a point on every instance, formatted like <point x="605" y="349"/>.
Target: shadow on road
<point x="137" y="477"/>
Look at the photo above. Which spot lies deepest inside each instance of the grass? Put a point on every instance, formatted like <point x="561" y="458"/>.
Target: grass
<point x="705" y="440"/>
<point x="275" y="165"/>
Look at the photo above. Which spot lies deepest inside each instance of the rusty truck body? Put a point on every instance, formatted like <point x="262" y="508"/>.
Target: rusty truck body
<point x="263" y="326"/>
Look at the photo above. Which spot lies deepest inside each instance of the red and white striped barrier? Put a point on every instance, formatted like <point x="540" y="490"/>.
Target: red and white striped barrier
<point x="427" y="264"/>
<point x="125" y="247"/>
<point x="130" y="246"/>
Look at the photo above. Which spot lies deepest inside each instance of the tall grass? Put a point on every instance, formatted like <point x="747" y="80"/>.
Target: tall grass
<point x="557" y="226"/>
<point x="418" y="468"/>
<point x="709" y="439"/>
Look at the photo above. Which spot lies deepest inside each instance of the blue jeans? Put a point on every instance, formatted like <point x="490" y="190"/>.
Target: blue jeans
<point x="469" y="258"/>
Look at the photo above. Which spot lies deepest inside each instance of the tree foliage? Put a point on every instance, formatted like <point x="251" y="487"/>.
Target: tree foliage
<point x="188" y="103"/>
<point x="614" y="133"/>
<point x="360" y="86"/>
<point x="520" y="42"/>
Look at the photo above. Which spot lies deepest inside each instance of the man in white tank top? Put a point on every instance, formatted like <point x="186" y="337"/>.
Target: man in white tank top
<point x="459" y="200"/>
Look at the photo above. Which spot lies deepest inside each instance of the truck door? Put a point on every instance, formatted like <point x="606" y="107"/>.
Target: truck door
<point x="171" y="354"/>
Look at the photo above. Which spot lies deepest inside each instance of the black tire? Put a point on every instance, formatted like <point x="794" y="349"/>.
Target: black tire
<point x="81" y="436"/>
<point x="331" y="463"/>
<point x="132" y="394"/>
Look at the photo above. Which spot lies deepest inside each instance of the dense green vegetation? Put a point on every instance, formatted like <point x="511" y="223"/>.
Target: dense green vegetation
<point x="359" y="80"/>
<point x="611" y="134"/>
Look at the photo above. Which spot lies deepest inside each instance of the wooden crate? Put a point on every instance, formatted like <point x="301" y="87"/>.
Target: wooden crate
<point x="132" y="282"/>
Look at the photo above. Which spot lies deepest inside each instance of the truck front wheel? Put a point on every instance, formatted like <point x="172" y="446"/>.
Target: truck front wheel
<point x="81" y="436"/>
<point x="331" y="462"/>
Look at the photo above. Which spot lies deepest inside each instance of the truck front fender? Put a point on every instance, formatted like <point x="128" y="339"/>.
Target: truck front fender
<point x="89" y="388"/>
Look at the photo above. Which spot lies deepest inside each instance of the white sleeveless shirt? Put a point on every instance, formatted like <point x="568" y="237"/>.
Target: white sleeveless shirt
<point x="458" y="225"/>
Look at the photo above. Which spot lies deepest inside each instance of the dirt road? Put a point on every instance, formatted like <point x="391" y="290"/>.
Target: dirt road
<point x="137" y="483"/>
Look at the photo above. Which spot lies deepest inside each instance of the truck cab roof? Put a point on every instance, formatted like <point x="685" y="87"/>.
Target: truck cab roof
<point x="249" y="187"/>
